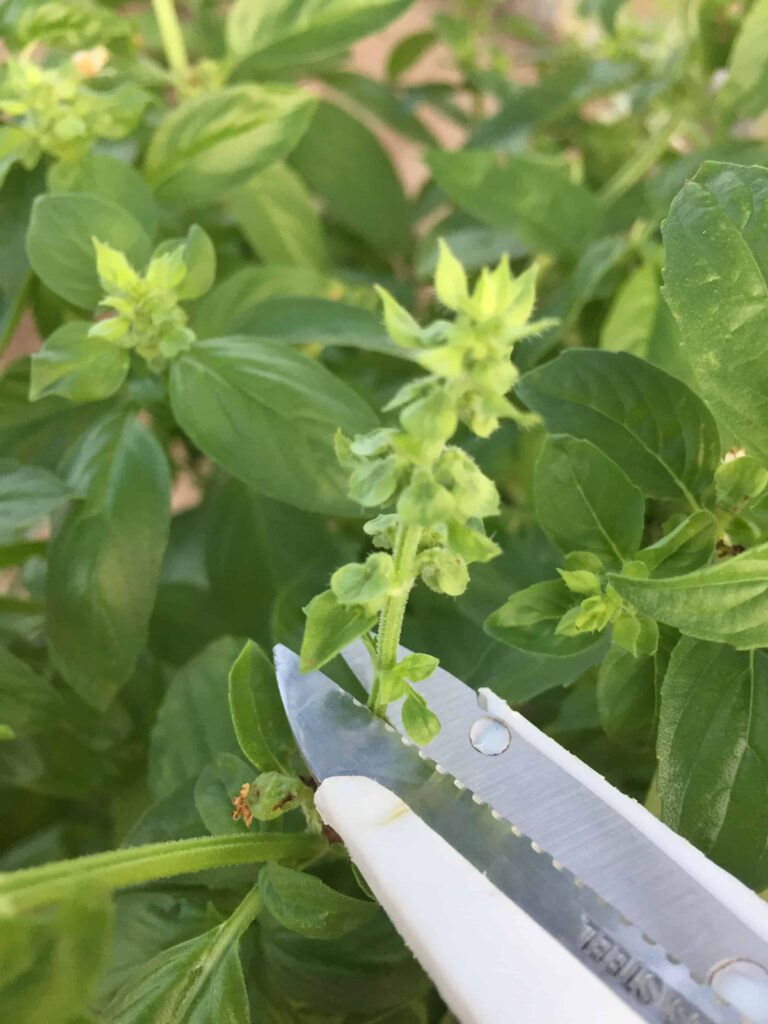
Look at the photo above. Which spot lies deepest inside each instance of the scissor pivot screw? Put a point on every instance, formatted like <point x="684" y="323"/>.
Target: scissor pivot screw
<point x="489" y="736"/>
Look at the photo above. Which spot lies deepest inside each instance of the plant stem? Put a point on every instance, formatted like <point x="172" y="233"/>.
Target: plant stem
<point x="391" y="618"/>
<point x="173" y="41"/>
<point x="34" y="887"/>
<point x="633" y="170"/>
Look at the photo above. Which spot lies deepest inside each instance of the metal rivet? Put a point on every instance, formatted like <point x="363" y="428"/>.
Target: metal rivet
<point x="489" y="736"/>
<point x="743" y="984"/>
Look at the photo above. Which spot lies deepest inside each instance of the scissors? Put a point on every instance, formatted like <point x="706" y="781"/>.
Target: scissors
<point x="530" y="889"/>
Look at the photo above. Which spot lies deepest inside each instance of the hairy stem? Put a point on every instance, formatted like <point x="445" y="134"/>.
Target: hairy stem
<point x="34" y="887"/>
<point x="391" y="617"/>
<point x="170" y="32"/>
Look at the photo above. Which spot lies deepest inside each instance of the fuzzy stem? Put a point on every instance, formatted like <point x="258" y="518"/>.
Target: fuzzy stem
<point x="170" y="32"/>
<point x="33" y="887"/>
<point x="391" y="618"/>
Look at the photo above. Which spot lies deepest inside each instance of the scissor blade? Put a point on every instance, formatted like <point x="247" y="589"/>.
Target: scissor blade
<point x="536" y="785"/>
<point x="338" y="736"/>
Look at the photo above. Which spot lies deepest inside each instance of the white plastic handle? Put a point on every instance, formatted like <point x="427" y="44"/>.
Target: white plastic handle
<point x="491" y="962"/>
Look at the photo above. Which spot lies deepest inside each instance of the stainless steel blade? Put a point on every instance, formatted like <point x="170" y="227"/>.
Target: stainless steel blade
<point x="580" y="830"/>
<point x="338" y="736"/>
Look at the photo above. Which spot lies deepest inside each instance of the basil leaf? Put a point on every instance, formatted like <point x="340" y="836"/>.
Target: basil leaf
<point x="28" y="702"/>
<point x="330" y="628"/>
<point x="102" y="175"/>
<point x="257" y="710"/>
<point x="77" y="367"/>
<point x="628" y="691"/>
<point x="60" y="242"/>
<point x="193" y="724"/>
<point x="216" y="786"/>
<point x="310" y="321"/>
<point x="715" y="283"/>
<point x="105" y="559"/>
<point x="651" y="424"/>
<point x="346" y="165"/>
<point x="306" y="905"/>
<point x="285" y="33"/>
<point x="585" y="502"/>
<point x="27" y="495"/>
<point x="277" y="216"/>
<point x="528" y="619"/>
<point x="218" y="140"/>
<point x="689" y="546"/>
<point x="726" y="602"/>
<point x="745" y="93"/>
<point x="195" y="982"/>
<point x="53" y="958"/>
<point x="712" y="749"/>
<point x="267" y="415"/>
<point x="531" y="194"/>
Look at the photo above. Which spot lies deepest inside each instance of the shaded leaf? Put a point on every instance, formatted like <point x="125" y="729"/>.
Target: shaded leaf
<point x="305" y="904"/>
<point x="652" y="425"/>
<point x="585" y="502"/>
<point x="257" y="711"/>
<point x="105" y="557"/>
<point x="60" y="246"/>
<point x="713" y="751"/>
<point x="267" y="415"/>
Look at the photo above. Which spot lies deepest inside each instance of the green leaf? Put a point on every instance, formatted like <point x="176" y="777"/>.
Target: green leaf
<point x="277" y="216"/>
<point x="712" y="751"/>
<point x="195" y="982"/>
<point x="52" y="959"/>
<point x="257" y="711"/>
<point x="77" y="367"/>
<point x="689" y="546"/>
<point x="216" y="141"/>
<point x="267" y="415"/>
<point x="408" y="50"/>
<point x="715" y="283"/>
<point x="528" y="619"/>
<point x="605" y="10"/>
<point x="745" y="93"/>
<point x="345" y="164"/>
<point x="249" y="537"/>
<point x="421" y="724"/>
<point x="221" y="310"/>
<point x="27" y="495"/>
<point x="60" y="242"/>
<point x="366" y="582"/>
<point x="317" y="321"/>
<point x="651" y="424"/>
<point x="284" y="33"/>
<point x="16" y="198"/>
<point x="585" y="501"/>
<point x="627" y="693"/>
<point x="306" y="905"/>
<point x="200" y="259"/>
<point x="105" y="560"/>
<point x="193" y="723"/>
<point x="28" y="702"/>
<point x="726" y="602"/>
<point x="330" y="628"/>
<point x="531" y="194"/>
<point x="102" y="175"/>
<point x="216" y="787"/>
